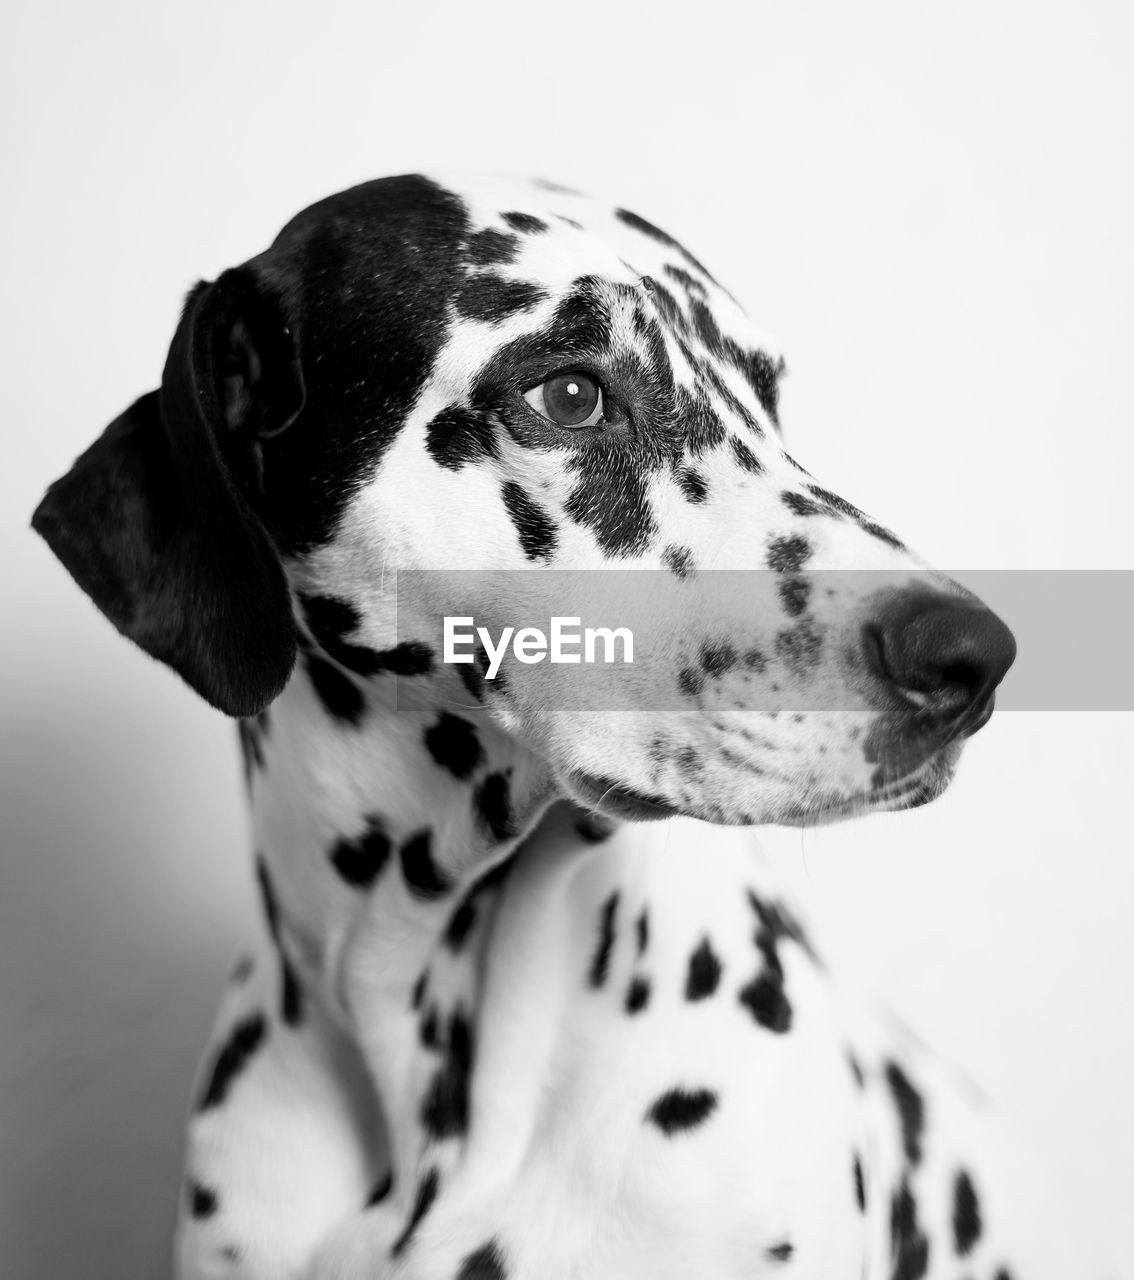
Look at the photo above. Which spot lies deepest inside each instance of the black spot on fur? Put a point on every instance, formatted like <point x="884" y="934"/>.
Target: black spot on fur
<point x="268" y="899"/>
<point x="491" y="247"/>
<point x="445" y="1109"/>
<point x="800" y="646"/>
<point x="765" y="995"/>
<point x="424" y="877"/>
<point x="692" y="484"/>
<point x="781" y="1252"/>
<point x="859" y="1185"/>
<point x="341" y="697"/>
<point x="429" y="1029"/>
<point x="642" y="931"/>
<point x="382" y="1189"/>
<point x="678" y="560"/>
<point x="690" y="283"/>
<point x="202" y="1200"/>
<point x="736" y="407"/>
<point x="330" y="620"/>
<point x="672" y="314"/>
<point x="800" y="504"/>
<point x="487" y="1262"/>
<point x="458" y="436"/>
<point x="491" y="299"/>
<point x="235" y="1054"/>
<point x="427" y="1190"/>
<point x="417" y="995"/>
<point x="360" y="861"/>
<point x="410" y="658"/>
<point x="637" y="994"/>
<point x="701" y="427"/>
<point x="493" y="804"/>
<point x="911" y="1110"/>
<point x="689" y="763"/>
<point x="775" y="918"/>
<point x="967" y="1225"/>
<point x="537" y="532"/>
<point x="823" y="502"/>
<point x="794" y="595"/>
<point x="745" y="458"/>
<point x="909" y="1244"/>
<point x="883" y="535"/>
<point x="754" y="660"/>
<point x="690" y="682"/>
<point x="755" y="367"/>
<point x="718" y="659"/>
<point x="788" y="555"/>
<point x="662" y="237"/>
<point x="704" y="972"/>
<point x="291" y="994"/>
<point x="454" y="744"/>
<point x="763" y="376"/>
<point x="679" y="1110"/>
<point x="600" y="961"/>
<point x="611" y="500"/>
<point x="461" y="922"/>
<point x="836" y="504"/>
<point x="527" y="223"/>
<point x="765" y="999"/>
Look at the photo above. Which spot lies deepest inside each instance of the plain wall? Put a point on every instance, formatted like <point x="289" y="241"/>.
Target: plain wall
<point x="931" y="206"/>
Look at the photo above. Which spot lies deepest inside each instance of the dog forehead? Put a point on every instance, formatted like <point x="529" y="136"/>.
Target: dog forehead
<point x="533" y="245"/>
<point x="559" y="235"/>
<point x="386" y="278"/>
<point x="547" y="225"/>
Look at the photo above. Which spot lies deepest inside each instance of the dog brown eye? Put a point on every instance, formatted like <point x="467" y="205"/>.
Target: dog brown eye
<point x="568" y="399"/>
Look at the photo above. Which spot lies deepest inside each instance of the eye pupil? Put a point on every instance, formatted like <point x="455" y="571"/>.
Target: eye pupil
<point x="570" y="398"/>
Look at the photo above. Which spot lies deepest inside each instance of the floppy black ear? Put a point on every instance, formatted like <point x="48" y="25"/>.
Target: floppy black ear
<point x="155" y="521"/>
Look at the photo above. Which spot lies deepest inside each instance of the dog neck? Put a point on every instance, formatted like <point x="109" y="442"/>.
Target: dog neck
<point x="377" y="806"/>
<point x="440" y="902"/>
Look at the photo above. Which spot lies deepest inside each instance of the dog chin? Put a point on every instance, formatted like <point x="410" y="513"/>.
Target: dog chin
<point x="918" y="787"/>
<point x="616" y="800"/>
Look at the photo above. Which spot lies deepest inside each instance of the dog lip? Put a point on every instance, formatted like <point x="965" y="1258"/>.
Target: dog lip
<point x="918" y="786"/>
<point x="980" y="716"/>
<point x="606" y="795"/>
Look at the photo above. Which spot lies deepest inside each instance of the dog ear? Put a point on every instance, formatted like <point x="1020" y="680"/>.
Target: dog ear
<point x="156" y="521"/>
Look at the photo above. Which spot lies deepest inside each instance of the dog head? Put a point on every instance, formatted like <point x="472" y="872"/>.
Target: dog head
<point x="511" y="379"/>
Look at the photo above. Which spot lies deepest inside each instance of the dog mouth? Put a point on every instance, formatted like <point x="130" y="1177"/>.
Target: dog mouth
<point x="616" y="800"/>
<point x="919" y="786"/>
<point x="902" y="781"/>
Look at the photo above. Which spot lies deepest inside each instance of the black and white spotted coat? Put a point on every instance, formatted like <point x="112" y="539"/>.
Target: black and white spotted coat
<point x="491" y="1030"/>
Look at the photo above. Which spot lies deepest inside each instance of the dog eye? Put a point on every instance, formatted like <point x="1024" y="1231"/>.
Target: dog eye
<point x="569" y="399"/>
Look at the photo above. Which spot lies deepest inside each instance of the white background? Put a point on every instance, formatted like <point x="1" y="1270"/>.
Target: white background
<point x="932" y="207"/>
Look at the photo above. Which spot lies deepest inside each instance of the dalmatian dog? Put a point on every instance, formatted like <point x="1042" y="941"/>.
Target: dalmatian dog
<point x="527" y="1001"/>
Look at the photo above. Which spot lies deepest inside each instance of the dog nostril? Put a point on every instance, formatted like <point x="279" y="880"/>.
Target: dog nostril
<point x="942" y="656"/>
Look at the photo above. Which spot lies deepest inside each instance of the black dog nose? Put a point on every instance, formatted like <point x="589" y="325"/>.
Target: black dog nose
<point x="945" y="657"/>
